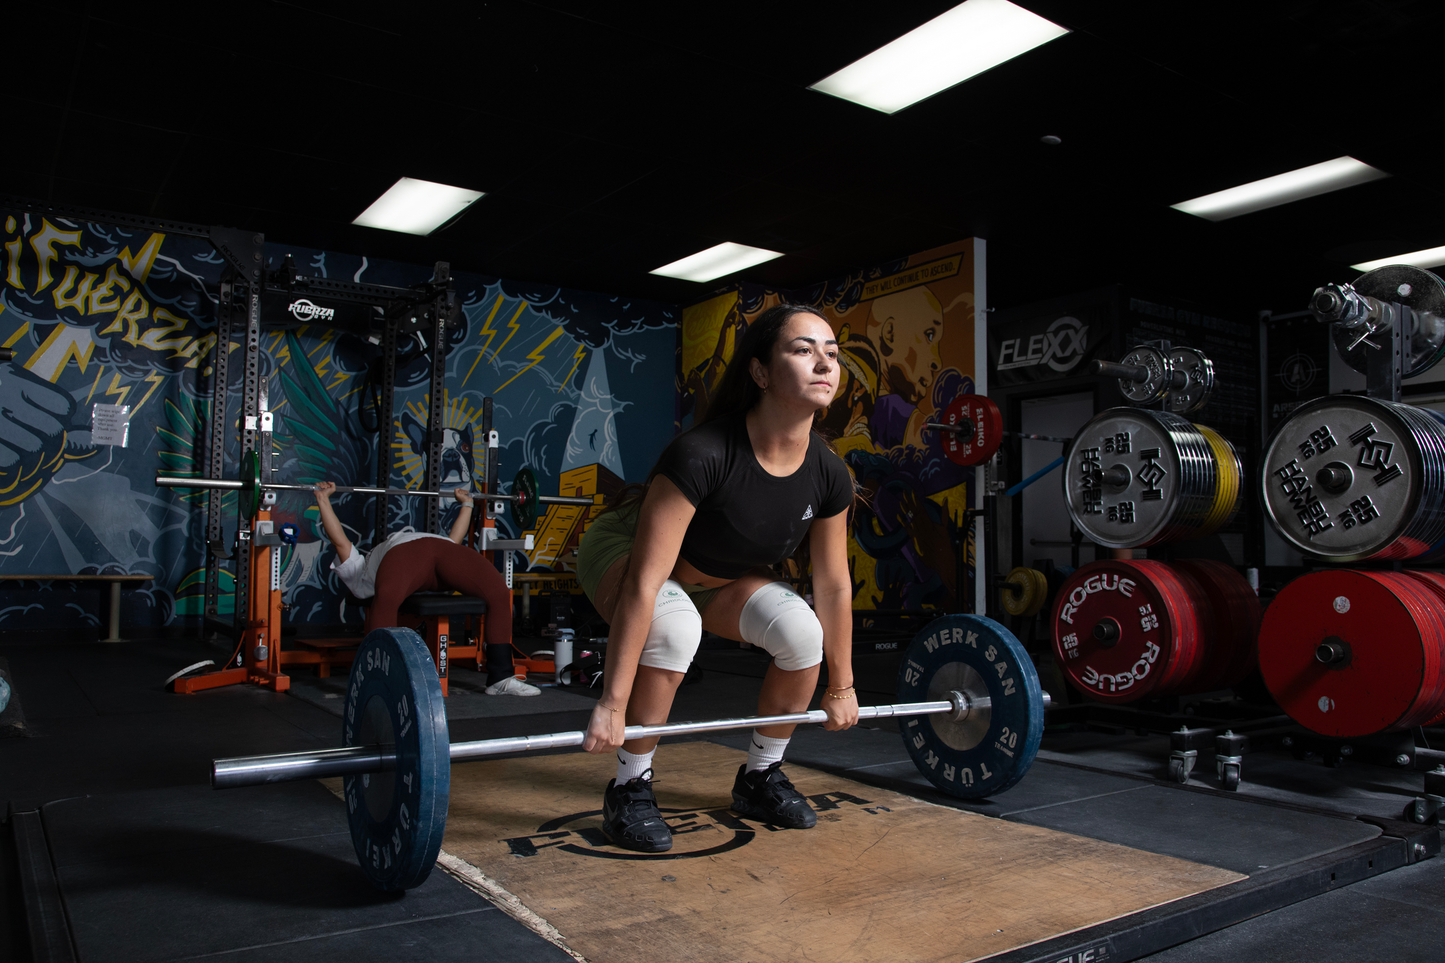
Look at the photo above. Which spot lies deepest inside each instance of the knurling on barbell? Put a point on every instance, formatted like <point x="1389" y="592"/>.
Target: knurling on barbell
<point x="974" y="735"/>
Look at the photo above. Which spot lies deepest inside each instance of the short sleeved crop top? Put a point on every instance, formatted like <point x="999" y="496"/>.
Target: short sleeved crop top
<point x="745" y="516"/>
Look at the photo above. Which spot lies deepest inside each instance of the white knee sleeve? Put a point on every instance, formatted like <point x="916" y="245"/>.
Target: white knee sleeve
<point x="777" y="619"/>
<point x="676" y="630"/>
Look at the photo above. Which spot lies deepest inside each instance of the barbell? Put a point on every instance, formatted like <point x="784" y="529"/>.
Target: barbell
<point x="524" y="497"/>
<point x="1180" y="376"/>
<point x="973" y="732"/>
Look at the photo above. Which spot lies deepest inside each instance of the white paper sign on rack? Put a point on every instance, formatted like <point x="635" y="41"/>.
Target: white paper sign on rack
<point x="110" y="424"/>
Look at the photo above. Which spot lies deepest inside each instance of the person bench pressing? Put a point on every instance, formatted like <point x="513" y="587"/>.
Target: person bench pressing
<point x="408" y="562"/>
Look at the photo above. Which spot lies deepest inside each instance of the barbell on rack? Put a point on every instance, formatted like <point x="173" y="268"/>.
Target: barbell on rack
<point x="972" y="428"/>
<point x="967" y="690"/>
<point x="1179" y="376"/>
<point x="524" y="497"/>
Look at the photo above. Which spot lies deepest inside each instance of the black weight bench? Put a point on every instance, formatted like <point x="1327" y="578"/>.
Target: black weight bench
<point x="436" y="610"/>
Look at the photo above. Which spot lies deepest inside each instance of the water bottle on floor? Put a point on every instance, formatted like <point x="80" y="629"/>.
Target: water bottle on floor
<point x="562" y="652"/>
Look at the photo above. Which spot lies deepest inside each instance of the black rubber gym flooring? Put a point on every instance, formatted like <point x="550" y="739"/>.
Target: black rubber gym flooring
<point x="105" y="777"/>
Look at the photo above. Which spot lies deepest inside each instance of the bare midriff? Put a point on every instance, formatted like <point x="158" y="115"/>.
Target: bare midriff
<point x="684" y="572"/>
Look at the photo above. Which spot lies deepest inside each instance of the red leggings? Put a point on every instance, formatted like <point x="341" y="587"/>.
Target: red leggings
<point x="440" y="564"/>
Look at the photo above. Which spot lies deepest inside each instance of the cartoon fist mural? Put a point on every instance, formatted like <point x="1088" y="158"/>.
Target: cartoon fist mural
<point x="34" y="417"/>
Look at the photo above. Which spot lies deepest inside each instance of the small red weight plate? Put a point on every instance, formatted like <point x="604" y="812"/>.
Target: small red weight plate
<point x="1431" y="704"/>
<point x="1231" y="651"/>
<point x="987" y="421"/>
<point x="1150" y="612"/>
<point x="1377" y="684"/>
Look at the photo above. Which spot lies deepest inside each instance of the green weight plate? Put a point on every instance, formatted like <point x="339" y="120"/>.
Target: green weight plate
<point x="524" y="504"/>
<point x="994" y="747"/>
<point x="398" y="817"/>
<point x="251" y="480"/>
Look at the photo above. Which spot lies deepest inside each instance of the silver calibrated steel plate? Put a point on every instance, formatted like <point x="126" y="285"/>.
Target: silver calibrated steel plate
<point x="1343" y="478"/>
<point x="961" y="677"/>
<point x="1422" y="292"/>
<point x="1156" y="386"/>
<point x="1171" y="478"/>
<point x="1198" y="389"/>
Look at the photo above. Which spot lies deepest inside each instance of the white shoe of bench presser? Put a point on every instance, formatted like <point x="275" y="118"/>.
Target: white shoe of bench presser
<point x="513" y="686"/>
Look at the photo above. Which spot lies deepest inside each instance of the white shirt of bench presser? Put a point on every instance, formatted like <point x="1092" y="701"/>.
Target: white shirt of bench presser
<point x="359" y="570"/>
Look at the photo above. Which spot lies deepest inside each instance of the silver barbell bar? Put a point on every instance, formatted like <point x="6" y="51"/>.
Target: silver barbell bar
<point x="237" y="771"/>
<point x="965" y="427"/>
<point x="227" y="484"/>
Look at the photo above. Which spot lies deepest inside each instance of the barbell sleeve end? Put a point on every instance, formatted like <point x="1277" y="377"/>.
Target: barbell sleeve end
<point x="964" y="427"/>
<point x="185" y="481"/>
<point x="1124" y="372"/>
<point x="238" y="771"/>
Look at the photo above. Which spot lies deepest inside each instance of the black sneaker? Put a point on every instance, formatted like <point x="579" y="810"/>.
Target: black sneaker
<point x="630" y="817"/>
<point x="768" y="796"/>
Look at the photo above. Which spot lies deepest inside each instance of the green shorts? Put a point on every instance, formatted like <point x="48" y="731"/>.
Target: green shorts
<point x="611" y="537"/>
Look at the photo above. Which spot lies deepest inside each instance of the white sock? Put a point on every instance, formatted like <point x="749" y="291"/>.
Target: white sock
<point x="630" y="765"/>
<point x="765" y="751"/>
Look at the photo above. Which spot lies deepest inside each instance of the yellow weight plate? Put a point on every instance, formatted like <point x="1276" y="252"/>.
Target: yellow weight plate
<point x="1230" y="474"/>
<point x="1024" y="592"/>
<point x="1017" y="592"/>
<point x="1041" y="592"/>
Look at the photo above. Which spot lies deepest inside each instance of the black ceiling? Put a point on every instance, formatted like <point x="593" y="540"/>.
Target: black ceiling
<point x="613" y="138"/>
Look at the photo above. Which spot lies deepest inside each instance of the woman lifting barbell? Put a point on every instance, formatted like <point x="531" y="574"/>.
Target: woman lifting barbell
<point x="734" y="495"/>
<point x="408" y="562"/>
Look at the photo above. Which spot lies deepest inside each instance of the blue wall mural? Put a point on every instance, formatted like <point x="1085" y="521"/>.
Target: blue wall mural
<point x="582" y="385"/>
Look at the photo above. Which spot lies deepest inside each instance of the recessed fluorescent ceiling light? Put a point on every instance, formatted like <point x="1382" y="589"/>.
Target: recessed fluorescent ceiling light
<point x="724" y="258"/>
<point x="414" y="206"/>
<point x="1331" y="175"/>
<point x="972" y="37"/>
<point x="1428" y="258"/>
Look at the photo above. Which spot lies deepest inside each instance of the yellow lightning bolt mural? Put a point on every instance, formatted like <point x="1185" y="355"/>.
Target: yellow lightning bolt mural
<point x="534" y="356"/>
<point x="576" y="360"/>
<point x="514" y="326"/>
<point x="490" y="332"/>
<point x="117" y="391"/>
<point x="153" y="379"/>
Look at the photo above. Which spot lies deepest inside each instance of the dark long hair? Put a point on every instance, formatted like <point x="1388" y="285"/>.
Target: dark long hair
<point x="737" y="393"/>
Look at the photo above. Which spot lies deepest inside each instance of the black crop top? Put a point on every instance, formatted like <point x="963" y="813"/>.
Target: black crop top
<point x="745" y="516"/>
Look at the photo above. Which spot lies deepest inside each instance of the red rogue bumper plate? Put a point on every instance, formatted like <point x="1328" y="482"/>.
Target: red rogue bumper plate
<point x="1388" y="673"/>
